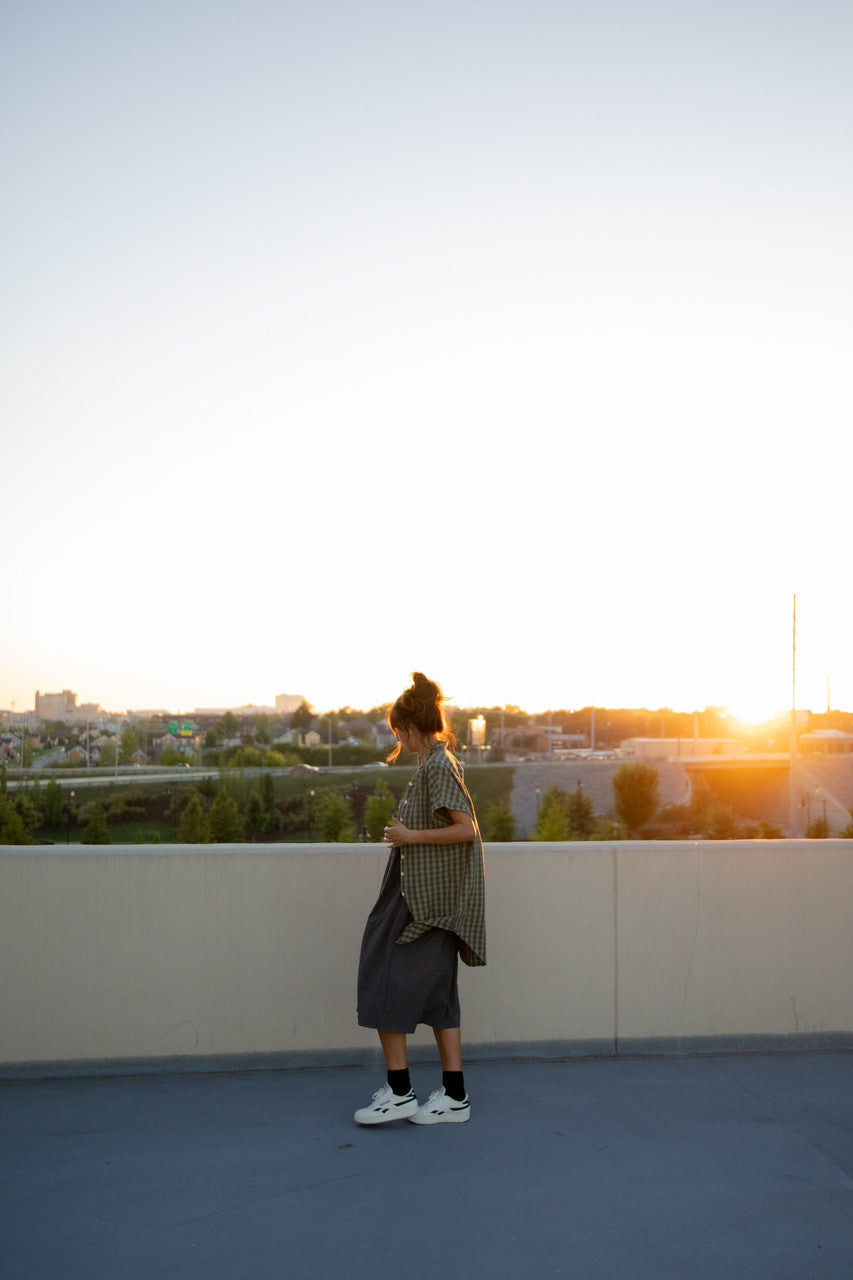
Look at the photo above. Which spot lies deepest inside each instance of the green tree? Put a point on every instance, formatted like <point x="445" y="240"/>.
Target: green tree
<point x="553" y="820"/>
<point x="254" y="818"/>
<point x="260" y="813"/>
<point x="37" y="802"/>
<point x="228" y="726"/>
<point x="193" y="827"/>
<point x="334" y="818"/>
<point x="636" y="793"/>
<point x="225" y="822"/>
<point x="302" y="718"/>
<point x="24" y="804"/>
<point x="378" y="811"/>
<point x="53" y="809"/>
<point x="13" y="829"/>
<point x="499" y="821"/>
<point x="581" y="814"/>
<point x="108" y="754"/>
<point x="565" y="815"/>
<point x="96" y="830"/>
<point x="552" y="823"/>
<point x="263" y="730"/>
<point x="266" y="791"/>
<point x="129" y="744"/>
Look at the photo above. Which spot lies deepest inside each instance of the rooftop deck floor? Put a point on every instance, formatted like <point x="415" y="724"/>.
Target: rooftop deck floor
<point x="694" y="1167"/>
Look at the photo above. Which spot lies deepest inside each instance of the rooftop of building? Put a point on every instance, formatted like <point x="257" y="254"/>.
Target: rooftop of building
<point x="719" y="1167"/>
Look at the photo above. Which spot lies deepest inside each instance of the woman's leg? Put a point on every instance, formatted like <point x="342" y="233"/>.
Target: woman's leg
<point x="449" y="1041"/>
<point x="394" y="1047"/>
<point x="450" y="1103"/>
<point x="400" y="1102"/>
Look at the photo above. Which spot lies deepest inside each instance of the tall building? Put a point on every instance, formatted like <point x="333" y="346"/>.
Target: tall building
<point x="287" y="702"/>
<point x="56" y="706"/>
<point x="63" y="706"/>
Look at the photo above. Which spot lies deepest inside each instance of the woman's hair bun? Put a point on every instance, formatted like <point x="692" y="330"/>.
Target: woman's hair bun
<point x="420" y="707"/>
<point x="426" y="689"/>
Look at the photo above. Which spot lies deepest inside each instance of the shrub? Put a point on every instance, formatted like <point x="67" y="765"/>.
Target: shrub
<point x="499" y="822"/>
<point x="96" y="830"/>
<point x="334" y="818"/>
<point x="193" y="827"/>
<point x="722" y="823"/>
<point x="636" y="792"/>
<point x="378" y="811"/>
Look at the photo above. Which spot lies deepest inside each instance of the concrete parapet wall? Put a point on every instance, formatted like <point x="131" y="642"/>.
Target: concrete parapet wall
<point x="242" y="954"/>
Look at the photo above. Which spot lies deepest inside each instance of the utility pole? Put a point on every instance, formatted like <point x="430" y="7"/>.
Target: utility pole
<point x="792" y="794"/>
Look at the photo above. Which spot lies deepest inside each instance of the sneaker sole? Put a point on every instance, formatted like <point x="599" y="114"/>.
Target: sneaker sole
<point x="401" y="1113"/>
<point x="446" y="1117"/>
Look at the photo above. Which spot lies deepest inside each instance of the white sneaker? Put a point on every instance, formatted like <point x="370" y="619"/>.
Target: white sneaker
<point x="387" y="1105"/>
<point x="439" y="1109"/>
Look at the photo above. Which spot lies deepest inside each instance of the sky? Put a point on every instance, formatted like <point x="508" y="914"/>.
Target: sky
<point x="509" y="342"/>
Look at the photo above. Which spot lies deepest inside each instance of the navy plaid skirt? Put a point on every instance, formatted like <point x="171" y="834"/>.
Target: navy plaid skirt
<point x="399" y="987"/>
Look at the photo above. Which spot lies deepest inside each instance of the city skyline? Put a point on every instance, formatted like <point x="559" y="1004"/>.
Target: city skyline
<point x="507" y="344"/>
<point x="290" y="701"/>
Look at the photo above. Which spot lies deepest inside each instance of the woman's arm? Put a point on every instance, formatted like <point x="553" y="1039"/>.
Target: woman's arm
<point x="460" y="832"/>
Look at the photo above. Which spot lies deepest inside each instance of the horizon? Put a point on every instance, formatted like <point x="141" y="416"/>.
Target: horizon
<point x="321" y="710"/>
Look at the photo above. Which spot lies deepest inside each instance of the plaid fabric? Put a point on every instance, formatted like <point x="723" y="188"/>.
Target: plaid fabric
<point x="444" y="884"/>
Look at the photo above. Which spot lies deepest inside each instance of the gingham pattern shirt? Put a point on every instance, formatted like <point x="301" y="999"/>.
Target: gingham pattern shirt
<point x="444" y="885"/>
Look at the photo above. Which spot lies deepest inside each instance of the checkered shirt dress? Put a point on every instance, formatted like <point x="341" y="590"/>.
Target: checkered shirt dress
<point x="430" y="911"/>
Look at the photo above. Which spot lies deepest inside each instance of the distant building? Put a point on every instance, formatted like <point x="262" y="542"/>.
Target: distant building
<point x="56" y="706"/>
<point x="247" y="712"/>
<point x="826" y="742"/>
<point x="673" y="748"/>
<point x="63" y="706"/>
<point x="527" y="740"/>
<point x="287" y="702"/>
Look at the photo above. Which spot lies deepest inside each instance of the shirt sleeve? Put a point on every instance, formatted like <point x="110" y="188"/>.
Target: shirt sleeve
<point x="446" y="789"/>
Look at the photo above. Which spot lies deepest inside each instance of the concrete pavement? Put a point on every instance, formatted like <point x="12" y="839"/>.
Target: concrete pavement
<point x="722" y="1167"/>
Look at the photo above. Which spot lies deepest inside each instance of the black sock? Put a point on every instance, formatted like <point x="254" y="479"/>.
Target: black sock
<point x="454" y="1085"/>
<point x="400" y="1082"/>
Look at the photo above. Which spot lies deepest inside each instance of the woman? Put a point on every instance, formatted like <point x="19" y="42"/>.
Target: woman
<point x="430" y="911"/>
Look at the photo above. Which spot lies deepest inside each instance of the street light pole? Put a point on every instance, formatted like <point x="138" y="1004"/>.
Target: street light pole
<point x="792" y="795"/>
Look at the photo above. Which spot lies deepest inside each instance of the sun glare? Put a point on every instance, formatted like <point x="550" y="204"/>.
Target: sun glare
<point x="751" y="714"/>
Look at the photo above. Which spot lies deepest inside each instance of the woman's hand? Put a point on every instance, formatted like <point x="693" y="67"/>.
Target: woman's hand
<point x="397" y="834"/>
<point x="460" y="831"/>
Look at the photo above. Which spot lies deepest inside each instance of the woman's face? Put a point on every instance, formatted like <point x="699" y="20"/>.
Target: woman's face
<point x="407" y="738"/>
